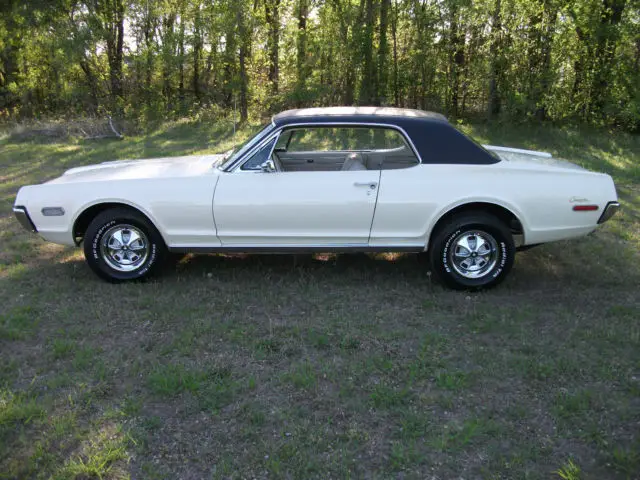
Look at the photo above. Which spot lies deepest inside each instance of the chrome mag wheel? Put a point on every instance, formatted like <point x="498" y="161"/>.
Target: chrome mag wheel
<point x="473" y="254"/>
<point x="124" y="248"/>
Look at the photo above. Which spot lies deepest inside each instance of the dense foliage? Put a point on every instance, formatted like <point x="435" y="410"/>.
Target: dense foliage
<point x="511" y="59"/>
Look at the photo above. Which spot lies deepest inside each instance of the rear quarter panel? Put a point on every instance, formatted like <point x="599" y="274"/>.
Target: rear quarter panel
<point x="411" y="201"/>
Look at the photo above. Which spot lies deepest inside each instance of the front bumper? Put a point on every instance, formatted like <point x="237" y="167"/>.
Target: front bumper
<point x="23" y="217"/>
<point x="609" y="211"/>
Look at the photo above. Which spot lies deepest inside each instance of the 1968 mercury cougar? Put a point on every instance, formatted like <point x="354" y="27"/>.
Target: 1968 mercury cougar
<point x="335" y="179"/>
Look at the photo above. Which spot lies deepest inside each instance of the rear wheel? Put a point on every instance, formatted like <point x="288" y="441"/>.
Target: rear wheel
<point x="120" y="244"/>
<point x="472" y="251"/>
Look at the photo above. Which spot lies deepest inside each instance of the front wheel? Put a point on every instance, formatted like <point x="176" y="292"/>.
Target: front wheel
<point x="472" y="251"/>
<point x="121" y="244"/>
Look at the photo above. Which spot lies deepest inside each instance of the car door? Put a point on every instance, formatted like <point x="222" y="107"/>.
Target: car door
<point x="294" y="208"/>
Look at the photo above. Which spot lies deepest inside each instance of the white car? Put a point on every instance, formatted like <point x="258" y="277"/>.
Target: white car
<point x="338" y="179"/>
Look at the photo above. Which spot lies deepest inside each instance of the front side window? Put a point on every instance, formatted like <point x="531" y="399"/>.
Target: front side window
<point x="259" y="157"/>
<point x="248" y="144"/>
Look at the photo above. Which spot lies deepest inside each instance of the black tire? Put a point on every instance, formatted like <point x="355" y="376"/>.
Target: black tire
<point x="102" y="264"/>
<point x="467" y="225"/>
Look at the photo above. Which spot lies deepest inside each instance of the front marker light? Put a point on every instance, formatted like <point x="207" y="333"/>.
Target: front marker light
<point x="53" y="211"/>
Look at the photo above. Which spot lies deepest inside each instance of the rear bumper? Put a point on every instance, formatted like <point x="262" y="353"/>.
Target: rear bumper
<point x="23" y="217"/>
<point x="609" y="211"/>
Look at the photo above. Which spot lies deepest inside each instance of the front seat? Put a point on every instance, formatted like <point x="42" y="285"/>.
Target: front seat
<point x="354" y="161"/>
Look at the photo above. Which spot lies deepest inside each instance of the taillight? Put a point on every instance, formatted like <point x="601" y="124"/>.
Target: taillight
<point x="585" y="208"/>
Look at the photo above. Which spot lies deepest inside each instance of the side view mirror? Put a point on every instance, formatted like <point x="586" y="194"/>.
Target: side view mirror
<point x="268" y="166"/>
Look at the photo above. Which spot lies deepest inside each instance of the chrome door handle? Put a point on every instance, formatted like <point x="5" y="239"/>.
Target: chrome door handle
<point x="371" y="185"/>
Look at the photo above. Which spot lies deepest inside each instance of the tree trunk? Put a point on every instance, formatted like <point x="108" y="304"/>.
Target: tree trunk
<point x="244" y="51"/>
<point x="181" y="60"/>
<point x="229" y="65"/>
<point x="383" y="53"/>
<point x="579" y="68"/>
<point x="495" y="50"/>
<point x="367" y="85"/>
<point x="167" y="55"/>
<point x="607" y="36"/>
<point x="197" y="51"/>
<point x="539" y="42"/>
<point x="91" y="82"/>
<point x="394" y="33"/>
<point x="456" y="57"/>
<point x="113" y="13"/>
<point x="301" y="47"/>
<point x="347" y="92"/>
<point x="546" y="74"/>
<point x="272" y="15"/>
<point x="148" y="46"/>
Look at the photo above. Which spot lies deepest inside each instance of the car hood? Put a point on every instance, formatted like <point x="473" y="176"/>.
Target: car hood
<point x="140" y="169"/>
<point x="531" y="158"/>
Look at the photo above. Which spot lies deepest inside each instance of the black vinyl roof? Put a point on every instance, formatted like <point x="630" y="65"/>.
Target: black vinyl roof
<point x="436" y="140"/>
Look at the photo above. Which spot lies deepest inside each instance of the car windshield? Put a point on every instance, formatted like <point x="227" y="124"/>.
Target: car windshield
<point x="236" y="152"/>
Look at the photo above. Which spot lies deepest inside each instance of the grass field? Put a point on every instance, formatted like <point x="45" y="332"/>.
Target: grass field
<point x="348" y="366"/>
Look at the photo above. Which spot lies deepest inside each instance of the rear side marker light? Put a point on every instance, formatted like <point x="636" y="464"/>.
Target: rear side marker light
<point x="585" y="208"/>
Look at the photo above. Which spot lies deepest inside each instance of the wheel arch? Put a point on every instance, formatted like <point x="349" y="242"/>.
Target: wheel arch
<point x="505" y="214"/>
<point x="89" y="212"/>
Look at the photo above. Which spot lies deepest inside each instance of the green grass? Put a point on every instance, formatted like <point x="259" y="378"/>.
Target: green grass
<point x="302" y="376"/>
<point x="320" y="366"/>
<point x="62" y="348"/>
<point x="386" y="396"/>
<point x="18" y="323"/>
<point x="569" y="471"/>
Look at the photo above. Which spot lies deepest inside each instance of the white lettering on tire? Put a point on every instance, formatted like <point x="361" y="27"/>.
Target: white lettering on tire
<point x="96" y="238"/>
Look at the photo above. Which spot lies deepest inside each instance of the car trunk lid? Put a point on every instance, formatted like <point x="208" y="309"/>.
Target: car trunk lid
<point x="519" y="155"/>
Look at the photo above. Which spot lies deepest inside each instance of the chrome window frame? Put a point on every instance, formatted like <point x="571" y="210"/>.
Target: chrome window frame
<point x="237" y="156"/>
<point x="236" y="166"/>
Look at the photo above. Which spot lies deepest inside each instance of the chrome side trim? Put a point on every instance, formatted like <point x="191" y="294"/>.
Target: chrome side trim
<point x="23" y="217"/>
<point x="609" y="211"/>
<point x="238" y="163"/>
<point x="300" y="249"/>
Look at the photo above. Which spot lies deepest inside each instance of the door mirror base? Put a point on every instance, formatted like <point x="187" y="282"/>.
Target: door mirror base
<point x="268" y="166"/>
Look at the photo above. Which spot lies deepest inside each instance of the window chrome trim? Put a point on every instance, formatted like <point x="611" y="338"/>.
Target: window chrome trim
<point x="229" y="165"/>
<point x="236" y="166"/>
